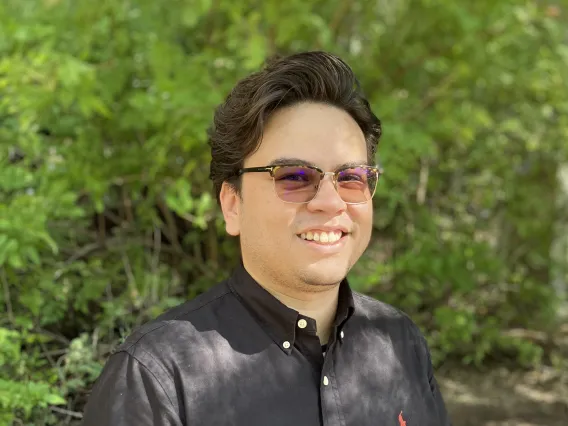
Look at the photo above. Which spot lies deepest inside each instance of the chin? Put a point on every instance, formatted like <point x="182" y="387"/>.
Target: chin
<point x="324" y="273"/>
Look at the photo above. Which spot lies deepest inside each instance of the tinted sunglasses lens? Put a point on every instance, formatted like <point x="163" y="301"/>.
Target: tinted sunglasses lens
<point x="357" y="184"/>
<point x="296" y="184"/>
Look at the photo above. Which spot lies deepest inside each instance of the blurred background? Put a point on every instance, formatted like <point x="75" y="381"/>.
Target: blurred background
<point x="107" y="217"/>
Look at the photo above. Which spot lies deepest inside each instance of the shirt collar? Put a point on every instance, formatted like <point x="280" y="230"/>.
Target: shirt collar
<point x="278" y="320"/>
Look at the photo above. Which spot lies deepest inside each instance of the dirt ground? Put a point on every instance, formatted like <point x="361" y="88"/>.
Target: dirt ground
<point x="504" y="398"/>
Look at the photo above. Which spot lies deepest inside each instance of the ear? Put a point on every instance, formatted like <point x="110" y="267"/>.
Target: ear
<point x="231" y="207"/>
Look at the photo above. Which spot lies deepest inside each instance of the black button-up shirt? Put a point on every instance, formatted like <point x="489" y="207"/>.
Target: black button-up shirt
<point x="235" y="355"/>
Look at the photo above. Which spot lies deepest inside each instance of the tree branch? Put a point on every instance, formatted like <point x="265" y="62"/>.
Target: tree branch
<point x="171" y="229"/>
<point x="432" y="95"/>
<point x="127" y="203"/>
<point x="75" y="414"/>
<point x="338" y="17"/>
<point x="118" y="244"/>
<point x="423" y="182"/>
<point x="7" y="296"/>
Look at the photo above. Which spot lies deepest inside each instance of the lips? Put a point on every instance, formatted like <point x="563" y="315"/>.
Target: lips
<point x="322" y="237"/>
<point x="323" y="248"/>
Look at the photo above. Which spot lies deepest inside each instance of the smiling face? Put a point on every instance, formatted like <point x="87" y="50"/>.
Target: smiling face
<point x="271" y="230"/>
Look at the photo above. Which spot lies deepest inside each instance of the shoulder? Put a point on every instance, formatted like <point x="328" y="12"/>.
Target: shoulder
<point x="150" y="357"/>
<point x="373" y="308"/>
<point x="175" y="325"/>
<point x="388" y="319"/>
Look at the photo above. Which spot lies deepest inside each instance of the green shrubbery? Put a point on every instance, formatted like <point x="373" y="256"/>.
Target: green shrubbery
<point x="107" y="216"/>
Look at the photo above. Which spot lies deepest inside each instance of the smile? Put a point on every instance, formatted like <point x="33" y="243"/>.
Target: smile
<point x="322" y="237"/>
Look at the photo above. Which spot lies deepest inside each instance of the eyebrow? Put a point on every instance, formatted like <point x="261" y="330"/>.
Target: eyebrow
<point x="282" y="161"/>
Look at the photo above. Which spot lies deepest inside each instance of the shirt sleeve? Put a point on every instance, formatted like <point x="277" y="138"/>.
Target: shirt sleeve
<point x="127" y="393"/>
<point x="443" y="417"/>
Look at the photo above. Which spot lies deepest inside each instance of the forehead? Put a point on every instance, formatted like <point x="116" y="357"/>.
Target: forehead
<point x="320" y="134"/>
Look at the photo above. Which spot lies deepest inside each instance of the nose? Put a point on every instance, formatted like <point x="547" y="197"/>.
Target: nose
<point x="327" y="197"/>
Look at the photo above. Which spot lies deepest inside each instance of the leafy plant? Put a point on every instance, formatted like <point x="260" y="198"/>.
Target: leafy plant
<point x="106" y="212"/>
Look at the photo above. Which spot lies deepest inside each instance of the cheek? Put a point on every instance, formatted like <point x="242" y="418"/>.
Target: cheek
<point x="267" y="219"/>
<point x="362" y="215"/>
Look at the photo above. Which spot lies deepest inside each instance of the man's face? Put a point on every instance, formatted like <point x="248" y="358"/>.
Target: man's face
<point x="269" y="228"/>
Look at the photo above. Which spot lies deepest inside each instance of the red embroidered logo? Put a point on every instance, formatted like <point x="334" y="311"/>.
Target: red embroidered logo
<point x="401" y="420"/>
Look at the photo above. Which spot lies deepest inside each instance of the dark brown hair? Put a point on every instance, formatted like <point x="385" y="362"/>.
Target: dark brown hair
<point x="238" y="123"/>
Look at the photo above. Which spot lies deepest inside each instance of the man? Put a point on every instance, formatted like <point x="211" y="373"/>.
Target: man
<point x="284" y="341"/>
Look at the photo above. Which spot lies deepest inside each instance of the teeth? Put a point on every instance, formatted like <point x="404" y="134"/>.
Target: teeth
<point x="322" y="237"/>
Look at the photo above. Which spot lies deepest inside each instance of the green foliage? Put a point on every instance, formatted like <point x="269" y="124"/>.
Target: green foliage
<point x="26" y="390"/>
<point x="106" y="212"/>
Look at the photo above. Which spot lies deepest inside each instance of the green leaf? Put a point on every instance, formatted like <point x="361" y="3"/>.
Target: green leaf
<point x="7" y="250"/>
<point x="33" y="255"/>
<point x="55" y="399"/>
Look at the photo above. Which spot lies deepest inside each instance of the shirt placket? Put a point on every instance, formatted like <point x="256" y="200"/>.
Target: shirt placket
<point x="309" y="344"/>
<point x="332" y="413"/>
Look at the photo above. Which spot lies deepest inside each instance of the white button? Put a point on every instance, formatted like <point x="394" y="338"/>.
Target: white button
<point x="325" y="381"/>
<point x="286" y="344"/>
<point x="342" y="334"/>
<point x="302" y="323"/>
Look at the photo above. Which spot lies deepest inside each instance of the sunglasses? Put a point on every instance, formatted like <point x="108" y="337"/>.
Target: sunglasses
<point x="300" y="183"/>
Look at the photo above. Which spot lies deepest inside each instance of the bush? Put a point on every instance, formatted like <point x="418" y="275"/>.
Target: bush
<point x="107" y="216"/>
